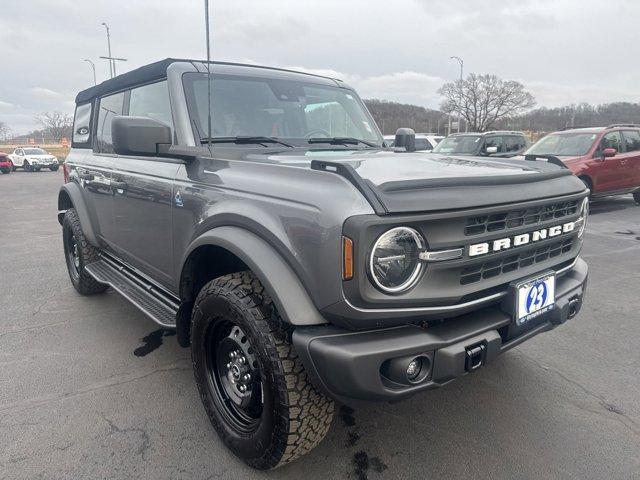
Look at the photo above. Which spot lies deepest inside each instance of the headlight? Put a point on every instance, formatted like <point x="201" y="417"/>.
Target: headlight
<point x="395" y="264"/>
<point x="585" y="216"/>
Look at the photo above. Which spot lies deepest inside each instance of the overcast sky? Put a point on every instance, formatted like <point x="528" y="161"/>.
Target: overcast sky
<point x="564" y="51"/>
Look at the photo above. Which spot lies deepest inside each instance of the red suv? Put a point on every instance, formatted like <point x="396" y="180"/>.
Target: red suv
<point x="606" y="159"/>
<point x="5" y="163"/>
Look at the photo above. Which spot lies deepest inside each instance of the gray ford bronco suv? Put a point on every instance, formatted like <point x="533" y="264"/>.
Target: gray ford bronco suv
<point x="301" y="260"/>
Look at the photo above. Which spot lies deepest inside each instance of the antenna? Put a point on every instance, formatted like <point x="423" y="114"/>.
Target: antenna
<point x="206" y="14"/>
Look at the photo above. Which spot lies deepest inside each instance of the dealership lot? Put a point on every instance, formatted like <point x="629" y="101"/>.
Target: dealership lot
<point x="90" y="388"/>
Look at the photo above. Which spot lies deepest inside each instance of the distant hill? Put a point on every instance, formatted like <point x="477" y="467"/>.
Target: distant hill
<point x="392" y="115"/>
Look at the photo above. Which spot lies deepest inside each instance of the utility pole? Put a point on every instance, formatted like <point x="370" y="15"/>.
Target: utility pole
<point x="112" y="59"/>
<point x="93" y="67"/>
<point x="461" y="62"/>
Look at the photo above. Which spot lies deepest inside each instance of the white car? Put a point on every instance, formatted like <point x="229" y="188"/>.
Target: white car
<point x="33" y="159"/>
<point x="425" y="142"/>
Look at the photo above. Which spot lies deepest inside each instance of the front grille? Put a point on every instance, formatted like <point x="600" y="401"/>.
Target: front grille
<point x="518" y="218"/>
<point x="513" y="262"/>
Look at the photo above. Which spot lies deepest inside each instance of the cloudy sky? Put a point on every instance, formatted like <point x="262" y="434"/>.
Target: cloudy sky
<point x="564" y="51"/>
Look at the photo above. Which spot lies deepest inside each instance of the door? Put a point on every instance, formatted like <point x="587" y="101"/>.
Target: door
<point x="608" y="171"/>
<point x="93" y="171"/>
<point x="17" y="158"/>
<point x="143" y="194"/>
<point x="631" y="141"/>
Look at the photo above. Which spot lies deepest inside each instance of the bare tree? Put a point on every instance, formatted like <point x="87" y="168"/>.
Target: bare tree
<point x="56" y="124"/>
<point x="482" y="100"/>
<point x="5" y="131"/>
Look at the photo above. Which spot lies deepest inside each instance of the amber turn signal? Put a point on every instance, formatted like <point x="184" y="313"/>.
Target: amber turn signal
<point x="347" y="258"/>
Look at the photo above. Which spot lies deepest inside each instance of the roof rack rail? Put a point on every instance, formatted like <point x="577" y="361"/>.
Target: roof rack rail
<point x="615" y="125"/>
<point x="573" y="127"/>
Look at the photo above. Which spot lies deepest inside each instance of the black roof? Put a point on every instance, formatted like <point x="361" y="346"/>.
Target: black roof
<point x="156" y="71"/>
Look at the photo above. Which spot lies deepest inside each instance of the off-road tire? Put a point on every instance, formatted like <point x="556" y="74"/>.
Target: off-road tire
<point x="26" y="166"/>
<point x="295" y="416"/>
<point x="84" y="283"/>
<point x="54" y="168"/>
<point x="636" y="196"/>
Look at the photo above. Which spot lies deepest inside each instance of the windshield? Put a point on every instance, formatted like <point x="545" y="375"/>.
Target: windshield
<point x="458" y="144"/>
<point x="563" y="144"/>
<point x="34" y="151"/>
<point x="290" y="110"/>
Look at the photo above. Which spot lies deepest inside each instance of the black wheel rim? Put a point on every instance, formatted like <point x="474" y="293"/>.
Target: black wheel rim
<point x="71" y="250"/>
<point x="234" y="378"/>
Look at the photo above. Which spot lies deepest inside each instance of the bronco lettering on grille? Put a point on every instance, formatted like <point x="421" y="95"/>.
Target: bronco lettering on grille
<point x="519" y="240"/>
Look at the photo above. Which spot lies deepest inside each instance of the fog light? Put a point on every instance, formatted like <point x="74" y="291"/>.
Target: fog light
<point x="414" y="368"/>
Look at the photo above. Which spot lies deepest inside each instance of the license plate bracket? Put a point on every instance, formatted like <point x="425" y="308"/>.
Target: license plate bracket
<point x="534" y="297"/>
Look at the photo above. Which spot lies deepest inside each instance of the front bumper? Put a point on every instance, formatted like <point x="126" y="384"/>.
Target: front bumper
<point x="348" y="365"/>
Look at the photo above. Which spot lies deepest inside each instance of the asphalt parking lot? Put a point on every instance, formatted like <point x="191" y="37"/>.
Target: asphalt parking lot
<point x="90" y="388"/>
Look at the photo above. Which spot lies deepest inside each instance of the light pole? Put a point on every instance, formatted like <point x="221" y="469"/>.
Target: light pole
<point x="111" y="65"/>
<point x="112" y="59"/>
<point x="93" y="67"/>
<point x="461" y="62"/>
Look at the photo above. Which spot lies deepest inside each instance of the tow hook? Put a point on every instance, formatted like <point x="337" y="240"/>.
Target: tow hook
<point x="475" y="357"/>
<point x="573" y="307"/>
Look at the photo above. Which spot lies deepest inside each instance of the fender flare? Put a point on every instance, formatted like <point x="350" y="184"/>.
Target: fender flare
<point x="72" y="190"/>
<point x="285" y="288"/>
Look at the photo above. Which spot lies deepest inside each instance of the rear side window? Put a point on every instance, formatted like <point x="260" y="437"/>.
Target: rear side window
<point x="151" y="101"/>
<point x="631" y="140"/>
<point x="109" y="107"/>
<point x="82" y="126"/>
<point x="514" y="143"/>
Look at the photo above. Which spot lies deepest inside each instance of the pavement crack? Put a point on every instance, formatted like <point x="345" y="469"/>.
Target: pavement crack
<point x="146" y="441"/>
<point x="607" y="406"/>
<point x="23" y="405"/>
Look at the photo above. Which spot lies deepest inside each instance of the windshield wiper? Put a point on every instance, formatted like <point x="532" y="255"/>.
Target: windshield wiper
<point x="341" y="141"/>
<point x="245" y="140"/>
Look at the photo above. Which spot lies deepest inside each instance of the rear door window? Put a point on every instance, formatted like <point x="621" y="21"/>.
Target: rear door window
<point x="109" y="107"/>
<point x="514" y="143"/>
<point x="631" y="140"/>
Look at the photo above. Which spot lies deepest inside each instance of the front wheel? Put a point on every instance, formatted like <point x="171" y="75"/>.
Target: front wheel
<point x="636" y="196"/>
<point x="251" y="381"/>
<point x="54" y="168"/>
<point x="27" y="166"/>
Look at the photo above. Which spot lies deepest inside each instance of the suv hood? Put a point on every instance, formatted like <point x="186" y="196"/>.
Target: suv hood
<point x="418" y="181"/>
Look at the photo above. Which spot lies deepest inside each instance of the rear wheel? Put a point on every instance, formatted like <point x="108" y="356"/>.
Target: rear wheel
<point x="252" y="383"/>
<point x="79" y="253"/>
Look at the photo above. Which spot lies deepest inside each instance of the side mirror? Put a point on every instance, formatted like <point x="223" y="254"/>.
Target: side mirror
<point x="609" y="152"/>
<point x="491" y="150"/>
<point x="405" y="137"/>
<point x="138" y="135"/>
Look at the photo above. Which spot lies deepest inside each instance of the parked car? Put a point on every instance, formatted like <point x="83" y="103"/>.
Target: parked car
<point x="425" y="142"/>
<point x="5" y="163"/>
<point x="606" y="159"/>
<point x="493" y="144"/>
<point x="301" y="260"/>
<point x="33" y="159"/>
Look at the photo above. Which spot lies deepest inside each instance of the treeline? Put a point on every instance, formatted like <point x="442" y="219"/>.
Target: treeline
<point x="391" y="115"/>
<point x="581" y="115"/>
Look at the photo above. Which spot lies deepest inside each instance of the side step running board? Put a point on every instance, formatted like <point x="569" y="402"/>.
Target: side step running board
<point x="153" y="301"/>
